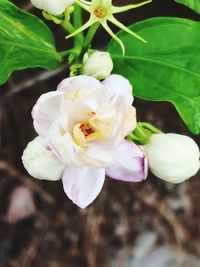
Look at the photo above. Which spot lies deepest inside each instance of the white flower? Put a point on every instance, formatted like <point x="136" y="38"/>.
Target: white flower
<point x="54" y="7"/>
<point x="84" y="124"/>
<point x="172" y="157"/>
<point x="98" y="65"/>
<point x="102" y="12"/>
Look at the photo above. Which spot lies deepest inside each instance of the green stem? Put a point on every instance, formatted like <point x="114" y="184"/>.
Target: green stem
<point x="77" y="20"/>
<point x="139" y="131"/>
<point x="67" y="26"/>
<point x="150" y="127"/>
<point x="133" y="137"/>
<point x="142" y="133"/>
<point x="88" y="39"/>
<point x="66" y="53"/>
<point x="81" y="44"/>
<point x="90" y="35"/>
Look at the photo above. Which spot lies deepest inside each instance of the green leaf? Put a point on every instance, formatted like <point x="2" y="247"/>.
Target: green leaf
<point x="193" y="4"/>
<point x="25" y="42"/>
<point x="167" y="68"/>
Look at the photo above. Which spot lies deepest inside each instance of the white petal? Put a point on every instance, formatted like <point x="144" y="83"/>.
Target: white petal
<point x="130" y="163"/>
<point x="40" y="162"/>
<point x="83" y="184"/>
<point x="104" y="119"/>
<point x="130" y="121"/>
<point x="119" y="88"/>
<point x="45" y="111"/>
<point x="79" y="82"/>
<point x="62" y="144"/>
<point x="96" y="155"/>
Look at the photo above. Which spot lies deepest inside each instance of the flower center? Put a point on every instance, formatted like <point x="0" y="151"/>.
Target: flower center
<point x="100" y="12"/>
<point x="87" y="129"/>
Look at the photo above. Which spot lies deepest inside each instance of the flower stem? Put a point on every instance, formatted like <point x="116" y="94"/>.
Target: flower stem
<point x="66" y="53"/>
<point x="67" y="26"/>
<point x="150" y="127"/>
<point x="77" y="21"/>
<point x="90" y="35"/>
<point x="142" y="133"/>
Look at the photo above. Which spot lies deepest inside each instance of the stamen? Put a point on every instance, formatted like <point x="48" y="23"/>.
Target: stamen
<point x="87" y="129"/>
<point x="100" y="12"/>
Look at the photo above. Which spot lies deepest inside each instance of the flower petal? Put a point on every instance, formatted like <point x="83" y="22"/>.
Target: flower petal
<point x="45" y="111"/>
<point x="40" y="162"/>
<point x="83" y="184"/>
<point x="130" y="163"/>
<point x="82" y="28"/>
<point x="124" y="28"/>
<point x="119" y="89"/>
<point x="96" y="155"/>
<point x="103" y="3"/>
<point x="85" y="5"/>
<point x="62" y="144"/>
<point x="114" y="36"/>
<point x="77" y="83"/>
<point x="119" y="9"/>
<point x="130" y="121"/>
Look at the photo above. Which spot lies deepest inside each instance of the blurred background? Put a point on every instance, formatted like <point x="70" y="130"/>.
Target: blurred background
<point x="150" y="224"/>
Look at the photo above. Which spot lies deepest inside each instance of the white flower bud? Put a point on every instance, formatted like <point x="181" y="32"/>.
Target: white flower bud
<point x="98" y="65"/>
<point x="54" y="7"/>
<point x="40" y="162"/>
<point x="172" y="157"/>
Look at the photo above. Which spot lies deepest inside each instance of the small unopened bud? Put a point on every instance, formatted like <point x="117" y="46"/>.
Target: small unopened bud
<point x="98" y="65"/>
<point x="54" y="7"/>
<point x="40" y="162"/>
<point x="172" y="157"/>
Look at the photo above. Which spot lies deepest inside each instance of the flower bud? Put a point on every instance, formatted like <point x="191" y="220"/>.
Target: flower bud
<point x="54" y="7"/>
<point x="172" y="157"/>
<point x="40" y="162"/>
<point x="98" y="65"/>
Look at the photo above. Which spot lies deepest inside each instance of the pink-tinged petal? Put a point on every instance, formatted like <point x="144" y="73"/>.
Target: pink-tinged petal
<point x="45" y="111"/>
<point x="83" y="184"/>
<point x="79" y="82"/>
<point x="119" y="89"/>
<point x="130" y="163"/>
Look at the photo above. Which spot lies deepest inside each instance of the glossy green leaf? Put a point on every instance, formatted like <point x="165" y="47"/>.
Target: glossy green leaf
<point x="25" y="42"/>
<point x="193" y="4"/>
<point x="167" y="68"/>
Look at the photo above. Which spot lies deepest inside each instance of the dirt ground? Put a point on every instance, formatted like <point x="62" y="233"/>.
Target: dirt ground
<point x="150" y="224"/>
